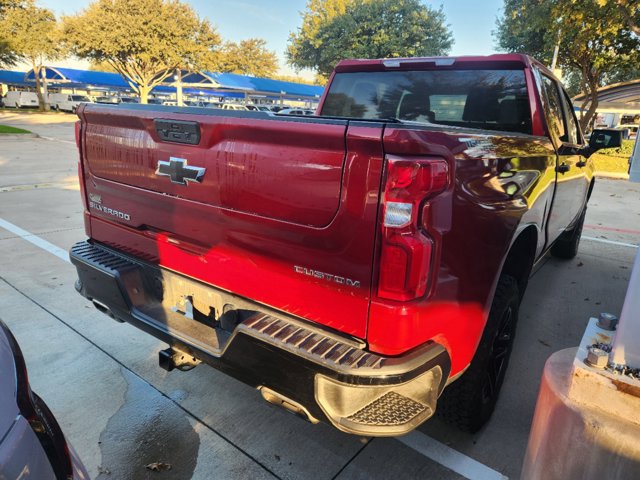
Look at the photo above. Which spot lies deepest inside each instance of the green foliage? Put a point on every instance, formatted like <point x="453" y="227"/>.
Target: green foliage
<point x="249" y="57"/>
<point x="336" y="29"/>
<point x="297" y="79"/>
<point x="305" y="44"/>
<point x="614" y="160"/>
<point x="610" y="164"/>
<point x="32" y="34"/>
<point x="594" y="37"/>
<point x="524" y="28"/>
<point x="143" y="40"/>
<point x="7" y="56"/>
<point x="18" y="20"/>
<point x="572" y="78"/>
<point x="625" y="150"/>
<point x="102" y="67"/>
<point x="630" y="11"/>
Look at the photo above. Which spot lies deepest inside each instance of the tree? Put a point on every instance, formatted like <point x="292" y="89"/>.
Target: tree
<point x="630" y="10"/>
<point x="298" y="79"/>
<point x="249" y="57"/>
<point x="302" y="51"/>
<point x="336" y="29"/>
<point x="8" y="57"/>
<point x="102" y="67"/>
<point x="572" y="79"/>
<point x="594" y="40"/>
<point x="145" y="41"/>
<point x="32" y="35"/>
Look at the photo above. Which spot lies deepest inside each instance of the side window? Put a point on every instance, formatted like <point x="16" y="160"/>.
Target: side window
<point x="573" y="132"/>
<point x="555" y="119"/>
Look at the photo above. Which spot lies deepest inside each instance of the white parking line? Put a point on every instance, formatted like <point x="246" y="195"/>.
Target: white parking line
<point x="53" y="139"/>
<point x="421" y="443"/>
<point x="450" y="458"/>
<point x="61" y="253"/>
<point x="610" y="242"/>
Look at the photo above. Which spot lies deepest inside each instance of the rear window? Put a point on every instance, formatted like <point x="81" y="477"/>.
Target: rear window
<point x="486" y="99"/>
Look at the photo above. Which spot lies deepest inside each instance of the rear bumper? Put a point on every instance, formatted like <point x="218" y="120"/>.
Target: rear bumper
<point x="314" y="372"/>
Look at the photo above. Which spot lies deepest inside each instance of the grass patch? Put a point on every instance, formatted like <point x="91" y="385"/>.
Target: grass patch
<point x="12" y="130"/>
<point x="614" y="160"/>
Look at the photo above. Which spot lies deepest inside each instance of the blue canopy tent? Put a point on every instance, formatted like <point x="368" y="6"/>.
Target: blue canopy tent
<point x="14" y="79"/>
<point x="80" y="78"/>
<point x="227" y="85"/>
<point x="267" y="86"/>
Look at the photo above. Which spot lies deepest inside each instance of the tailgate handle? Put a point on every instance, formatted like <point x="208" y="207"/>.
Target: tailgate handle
<point x="178" y="131"/>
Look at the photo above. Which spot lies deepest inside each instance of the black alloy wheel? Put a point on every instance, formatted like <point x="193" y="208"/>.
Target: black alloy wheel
<point x="469" y="401"/>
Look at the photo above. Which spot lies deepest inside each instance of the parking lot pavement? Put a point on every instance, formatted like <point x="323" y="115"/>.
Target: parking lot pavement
<point x="54" y="125"/>
<point x="122" y="412"/>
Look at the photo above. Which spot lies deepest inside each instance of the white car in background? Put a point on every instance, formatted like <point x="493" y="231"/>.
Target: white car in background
<point x="296" y="111"/>
<point x="231" y="106"/>
<point x="15" y="99"/>
<point x="67" y="102"/>
<point x="258" y="108"/>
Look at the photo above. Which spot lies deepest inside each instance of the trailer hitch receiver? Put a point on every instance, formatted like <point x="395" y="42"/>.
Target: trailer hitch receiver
<point x="172" y="358"/>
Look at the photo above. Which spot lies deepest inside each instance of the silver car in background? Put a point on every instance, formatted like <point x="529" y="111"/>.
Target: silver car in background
<point x="32" y="444"/>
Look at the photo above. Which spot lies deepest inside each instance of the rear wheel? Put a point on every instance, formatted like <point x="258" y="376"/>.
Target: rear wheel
<point x="469" y="402"/>
<point x="566" y="246"/>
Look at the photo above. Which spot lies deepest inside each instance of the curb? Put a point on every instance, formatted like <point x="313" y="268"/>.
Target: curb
<point x="15" y="136"/>
<point x="612" y="175"/>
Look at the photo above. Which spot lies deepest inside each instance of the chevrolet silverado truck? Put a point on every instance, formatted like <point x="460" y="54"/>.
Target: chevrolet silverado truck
<point x="357" y="266"/>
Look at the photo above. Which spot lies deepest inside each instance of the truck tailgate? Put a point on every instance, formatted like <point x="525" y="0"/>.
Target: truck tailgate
<point x="284" y="212"/>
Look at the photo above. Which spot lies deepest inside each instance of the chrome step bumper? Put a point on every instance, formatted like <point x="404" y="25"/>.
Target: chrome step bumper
<point x="319" y="373"/>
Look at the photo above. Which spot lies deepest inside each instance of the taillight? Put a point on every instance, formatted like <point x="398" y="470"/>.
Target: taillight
<point x="406" y="249"/>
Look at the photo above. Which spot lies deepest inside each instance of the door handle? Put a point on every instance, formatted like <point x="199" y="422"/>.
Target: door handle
<point x="563" y="168"/>
<point x="177" y="131"/>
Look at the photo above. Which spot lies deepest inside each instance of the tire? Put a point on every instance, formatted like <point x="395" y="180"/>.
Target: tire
<point x="566" y="246"/>
<point x="469" y="401"/>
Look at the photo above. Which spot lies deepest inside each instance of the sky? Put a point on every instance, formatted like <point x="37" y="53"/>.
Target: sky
<point x="471" y="22"/>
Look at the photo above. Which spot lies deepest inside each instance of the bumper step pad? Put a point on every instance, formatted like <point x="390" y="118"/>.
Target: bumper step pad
<point x="390" y="409"/>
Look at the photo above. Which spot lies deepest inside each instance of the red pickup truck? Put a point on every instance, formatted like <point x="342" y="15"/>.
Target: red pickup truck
<point x="352" y="264"/>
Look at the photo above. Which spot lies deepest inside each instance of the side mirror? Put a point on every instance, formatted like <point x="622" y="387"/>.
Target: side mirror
<point x="605" y="139"/>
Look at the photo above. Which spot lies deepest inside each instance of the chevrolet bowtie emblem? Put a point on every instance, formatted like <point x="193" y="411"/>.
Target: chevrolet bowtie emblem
<point x="178" y="171"/>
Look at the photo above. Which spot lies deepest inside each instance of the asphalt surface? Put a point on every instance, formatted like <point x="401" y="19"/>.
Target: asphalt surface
<point x="122" y="412"/>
